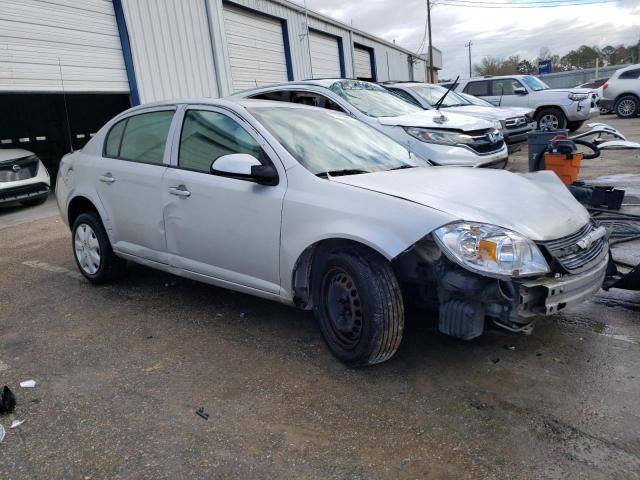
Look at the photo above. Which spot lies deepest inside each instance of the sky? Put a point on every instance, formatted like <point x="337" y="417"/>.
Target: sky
<point x="497" y="32"/>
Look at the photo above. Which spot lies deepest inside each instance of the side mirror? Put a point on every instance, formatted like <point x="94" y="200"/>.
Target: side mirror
<point x="519" y="91"/>
<point x="243" y="165"/>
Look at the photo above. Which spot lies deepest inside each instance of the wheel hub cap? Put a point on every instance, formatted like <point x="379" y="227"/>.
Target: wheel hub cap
<point x="87" y="249"/>
<point x="549" y="122"/>
<point x="627" y="107"/>
<point x="343" y="307"/>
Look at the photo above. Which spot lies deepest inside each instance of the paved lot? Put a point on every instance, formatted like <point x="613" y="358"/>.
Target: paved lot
<point x="121" y="369"/>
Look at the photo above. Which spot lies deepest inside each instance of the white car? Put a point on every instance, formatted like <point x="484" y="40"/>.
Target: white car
<point x="23" y="178"/>
<point x="443" y="138"/>
<point x="621" y="93"/>
<point x="555" y="108"/>
<point x="315" y="209"/>
<point x="514" y="126"/>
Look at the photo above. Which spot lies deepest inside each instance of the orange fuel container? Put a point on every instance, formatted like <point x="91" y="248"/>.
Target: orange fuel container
<point x="566" y="168"/>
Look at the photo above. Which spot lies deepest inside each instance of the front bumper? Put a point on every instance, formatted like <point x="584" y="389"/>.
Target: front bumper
<point x="550" y="295"/>
<point x="28" y="189"/>
<point x="518" y="135"/>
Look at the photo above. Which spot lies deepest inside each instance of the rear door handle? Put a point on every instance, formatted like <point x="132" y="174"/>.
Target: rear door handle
<point x="106" y="178"/>
<point x="180" y="191"/>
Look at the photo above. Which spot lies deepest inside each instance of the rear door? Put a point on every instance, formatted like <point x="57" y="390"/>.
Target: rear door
<point x="222" y="227"/>
<point x="128" y="179"/>
<point x="478" y="88"/>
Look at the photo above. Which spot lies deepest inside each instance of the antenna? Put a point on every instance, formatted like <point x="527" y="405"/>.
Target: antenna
<point x="66" y="110"/>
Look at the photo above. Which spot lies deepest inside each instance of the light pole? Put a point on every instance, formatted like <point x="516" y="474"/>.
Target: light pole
<point x="469" y="45"/>
<point x="430" y="49"/>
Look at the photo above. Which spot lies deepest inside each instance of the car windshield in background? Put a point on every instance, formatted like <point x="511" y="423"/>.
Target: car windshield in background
<point x="372" y="100"/>
<point x="534" y="83"/>
<point x="324" y="141"/>
<point x="433" y="94"/>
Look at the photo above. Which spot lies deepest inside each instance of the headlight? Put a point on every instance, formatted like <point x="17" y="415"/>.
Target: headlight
<point x="440" y="137"/>
<point x="578" y="96"/>
<point x="491" y="250"/>
<point x="498" y="125"/>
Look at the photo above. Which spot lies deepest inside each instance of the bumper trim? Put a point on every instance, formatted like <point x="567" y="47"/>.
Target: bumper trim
<point x="25" y="192"/>
<point x="548" y="296"/>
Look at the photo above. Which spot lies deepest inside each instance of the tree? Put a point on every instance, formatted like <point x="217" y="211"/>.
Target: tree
<point x="609" y="55"/>
<point x="525" y="67"/>
<point x="488" y="66"/>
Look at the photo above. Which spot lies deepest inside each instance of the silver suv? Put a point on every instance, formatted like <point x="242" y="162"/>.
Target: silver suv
<point x="622" y="92"/>
<point x="554" y="107"/>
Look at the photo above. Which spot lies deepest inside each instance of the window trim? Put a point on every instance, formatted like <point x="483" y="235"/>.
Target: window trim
<point x="125" y="119"/>
<point x="262" y="143"/>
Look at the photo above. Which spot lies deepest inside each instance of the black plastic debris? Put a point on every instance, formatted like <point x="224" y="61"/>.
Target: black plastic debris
<point x="7" y="401"/>
<point x="509" y="347"/>
<point x="201" y="413"/>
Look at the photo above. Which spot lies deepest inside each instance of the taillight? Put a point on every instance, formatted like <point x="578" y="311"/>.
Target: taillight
<point x="605" y="86"/>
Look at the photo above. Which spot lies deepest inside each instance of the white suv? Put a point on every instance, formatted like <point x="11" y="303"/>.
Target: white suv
<point x="23" y="178"/>
<point x="622" y="92"/>
<point x="554" y="107"/>
<point x="315" y="209"/>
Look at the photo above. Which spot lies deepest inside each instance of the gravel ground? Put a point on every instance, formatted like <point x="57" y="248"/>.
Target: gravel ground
<point x="121" y="370"/>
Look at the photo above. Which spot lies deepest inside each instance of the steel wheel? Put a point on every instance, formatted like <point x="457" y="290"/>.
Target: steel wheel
<point x="626" y="107"/>
<point x="343" y="307"/>
<point x="549" y="122"/>
<point x="87" y="249"/>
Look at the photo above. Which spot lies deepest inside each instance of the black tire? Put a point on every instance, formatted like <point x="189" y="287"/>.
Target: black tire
<point x="627" y="106"/>
<point x="358" y="304"/>
<point x="35" y="202"/>
<point x="110" y="266"/>
<point x="545" y="117"/>
<point x="573" y="126"/>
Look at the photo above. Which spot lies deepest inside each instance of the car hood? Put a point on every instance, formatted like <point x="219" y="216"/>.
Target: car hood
<point x="430" y="119"/>
<point x="7" y="154"/>
<point x="479" y="111"/>
<point x="571" y="90"/>
<point x="536" y="205"/>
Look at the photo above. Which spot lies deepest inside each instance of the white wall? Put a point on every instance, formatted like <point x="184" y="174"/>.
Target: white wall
<point x="82" y="34"/>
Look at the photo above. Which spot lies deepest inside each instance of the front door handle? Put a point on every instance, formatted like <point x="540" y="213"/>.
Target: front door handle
<point x="107" y="178"/>
<point x="180" y="191"/>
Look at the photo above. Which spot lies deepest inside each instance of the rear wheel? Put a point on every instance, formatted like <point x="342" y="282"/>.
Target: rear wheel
<point x="358" y="303"/>
<point x="627" y="106"/>
<point x="92" y="250"/>
<point x="551" y="119"/>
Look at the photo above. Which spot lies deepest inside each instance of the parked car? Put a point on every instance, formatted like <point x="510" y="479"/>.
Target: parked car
<point x="622" y="92"/>
<point x="23" y="178"/>
<point x="554" y="108"/>
<point x="315" y="209"/>
<point x="444" y="139"/>
<point x="597" y="85"/>
<point x="514" y="127"/>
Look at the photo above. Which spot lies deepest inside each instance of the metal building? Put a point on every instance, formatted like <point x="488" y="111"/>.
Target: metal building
<point x="106" y="55"/>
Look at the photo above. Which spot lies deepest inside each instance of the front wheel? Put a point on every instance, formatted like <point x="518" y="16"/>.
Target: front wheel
<point x="358" y="304"/>
<point x="551" y="119"/>
<point x="92" y="250"/>
<point x="627" y="106"/>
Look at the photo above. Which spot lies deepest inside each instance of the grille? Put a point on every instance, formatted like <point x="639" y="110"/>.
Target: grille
<point x="28" y="168"/>
<point x="515" y="122"/>
<point x="482" y="141"/>
<point x="573" y="258"/>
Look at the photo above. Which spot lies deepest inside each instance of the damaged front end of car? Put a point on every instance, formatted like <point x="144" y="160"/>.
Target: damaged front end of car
<point x="472" y="273"/>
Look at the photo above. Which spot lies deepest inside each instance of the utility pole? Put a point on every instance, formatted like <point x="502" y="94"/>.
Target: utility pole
<point x="469" y="45"/>
<point x="430" y="49"/>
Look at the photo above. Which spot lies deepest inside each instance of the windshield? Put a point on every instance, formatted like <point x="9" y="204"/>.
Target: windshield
<point x="326" y="141"/>
<point x="372" y="100"/>
<point x="433" y="93"/>
<point x="476" y="100"/>
<point x="534" y="83"/>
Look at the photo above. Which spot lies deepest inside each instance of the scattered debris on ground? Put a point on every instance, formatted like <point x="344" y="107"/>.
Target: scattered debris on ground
<point x="7" y="400"/>
<point x="28" y="384"/>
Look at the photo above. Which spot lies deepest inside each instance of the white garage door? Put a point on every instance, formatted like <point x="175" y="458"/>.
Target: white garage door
<point x="256" y="48"/>
<point x="325" y="56"/>
<point x="362" y="58"/>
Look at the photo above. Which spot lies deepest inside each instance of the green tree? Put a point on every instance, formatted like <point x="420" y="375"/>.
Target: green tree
<point x="525" y="67"/>
<point x="488" y="66"/>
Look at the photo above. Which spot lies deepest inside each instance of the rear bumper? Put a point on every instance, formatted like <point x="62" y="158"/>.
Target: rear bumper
<point x="548" y="296"/>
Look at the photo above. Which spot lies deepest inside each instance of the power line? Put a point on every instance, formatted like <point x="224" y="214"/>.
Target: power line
<point x="504" y="6"/>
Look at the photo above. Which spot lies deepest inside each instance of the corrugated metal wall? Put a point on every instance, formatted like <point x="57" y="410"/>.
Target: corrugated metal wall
<point x="83" y="35"/>
<point x="171" y="49"/>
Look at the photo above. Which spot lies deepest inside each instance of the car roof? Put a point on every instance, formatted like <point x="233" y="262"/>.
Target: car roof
<point x="13" y="153"/>
<point x="630" y="67"/>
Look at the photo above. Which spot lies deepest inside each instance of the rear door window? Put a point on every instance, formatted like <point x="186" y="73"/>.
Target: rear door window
<point x="140" y="138"/>
<point x="478" y="89"/>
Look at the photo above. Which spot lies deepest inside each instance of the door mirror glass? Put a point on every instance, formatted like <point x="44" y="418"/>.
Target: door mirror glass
<point x="234" y="164"/>
<point x="519" y="91"/>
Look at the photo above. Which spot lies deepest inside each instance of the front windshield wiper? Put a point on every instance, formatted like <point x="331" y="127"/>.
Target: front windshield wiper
<point x="402" y="167"/>
<point x="340" y="173"/>
<point x="439" y="103"/>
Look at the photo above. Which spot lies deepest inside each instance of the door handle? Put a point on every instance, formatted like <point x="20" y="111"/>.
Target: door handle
<point x="180" y="191"/>
<point x="106" y="178"/>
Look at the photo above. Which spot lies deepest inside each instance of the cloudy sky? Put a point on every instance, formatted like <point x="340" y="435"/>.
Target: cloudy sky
<point x="498" y="32"/>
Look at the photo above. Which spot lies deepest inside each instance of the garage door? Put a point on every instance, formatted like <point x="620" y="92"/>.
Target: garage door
<point x="325" y="56"/>
<point x="256" y="48"/>
<point x="362" y="58"/>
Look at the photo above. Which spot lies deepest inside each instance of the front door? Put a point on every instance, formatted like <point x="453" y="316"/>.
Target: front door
<point x="222" y="227"/>
<point x="129" y="177"/>
<point x="503" y="93"/>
